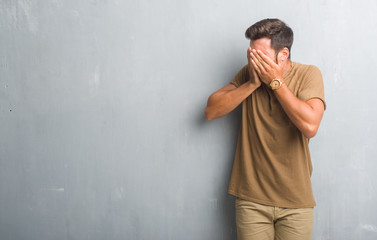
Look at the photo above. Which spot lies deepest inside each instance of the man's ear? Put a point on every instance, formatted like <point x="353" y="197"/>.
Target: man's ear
<point x="283" y="55"/>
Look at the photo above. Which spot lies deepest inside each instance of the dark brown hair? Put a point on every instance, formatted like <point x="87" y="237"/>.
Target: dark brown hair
<point x="280" y="34"/>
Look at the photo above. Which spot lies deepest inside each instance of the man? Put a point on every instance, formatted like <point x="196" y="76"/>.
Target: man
<point x="282" y="107"/>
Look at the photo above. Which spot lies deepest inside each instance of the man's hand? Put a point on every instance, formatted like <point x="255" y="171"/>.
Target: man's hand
<point x="250" y="67"/>
<point x="265" y="67"/>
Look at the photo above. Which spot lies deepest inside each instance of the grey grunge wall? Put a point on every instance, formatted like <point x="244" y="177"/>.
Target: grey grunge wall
<point x="102" y="128"/>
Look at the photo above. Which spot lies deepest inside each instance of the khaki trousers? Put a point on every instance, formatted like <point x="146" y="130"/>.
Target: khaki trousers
<point x="260" y="222"/>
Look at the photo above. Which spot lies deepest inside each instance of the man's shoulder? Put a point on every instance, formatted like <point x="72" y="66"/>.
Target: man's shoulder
<point x="306" y="68"/>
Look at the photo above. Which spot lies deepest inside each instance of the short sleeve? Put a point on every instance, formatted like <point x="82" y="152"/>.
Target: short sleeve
<point x="241" y="77"/>
<point x="312" y="86"/>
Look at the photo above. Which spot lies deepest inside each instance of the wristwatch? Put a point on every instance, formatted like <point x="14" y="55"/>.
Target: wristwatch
<point x="275" y="84"/>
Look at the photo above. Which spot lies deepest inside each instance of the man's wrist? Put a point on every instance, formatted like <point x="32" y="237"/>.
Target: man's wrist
<point x="276" y="83"/>
<point x="253" y="85"/>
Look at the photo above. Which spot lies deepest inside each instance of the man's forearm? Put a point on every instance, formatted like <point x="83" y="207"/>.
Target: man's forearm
<point x="223" y="102"/>
<point x="306" y="117"/>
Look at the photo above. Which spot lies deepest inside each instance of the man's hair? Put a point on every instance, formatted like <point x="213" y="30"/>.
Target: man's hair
<point x="280" y="34"/>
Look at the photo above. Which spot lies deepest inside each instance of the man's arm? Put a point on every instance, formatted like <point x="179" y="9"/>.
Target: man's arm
<point x="225" y="100"/>
<point x="306" y="116"/>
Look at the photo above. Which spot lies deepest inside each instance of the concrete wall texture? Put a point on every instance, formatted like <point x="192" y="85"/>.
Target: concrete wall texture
<point x="103" y="134"/>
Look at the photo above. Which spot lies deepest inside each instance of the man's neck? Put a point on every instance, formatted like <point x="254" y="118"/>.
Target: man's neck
<point x="287" y="66"/>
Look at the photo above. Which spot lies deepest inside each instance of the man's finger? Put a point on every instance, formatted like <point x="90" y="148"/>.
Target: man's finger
<point x="266" y="59"/>
<point x="257" y="61"/>
<point x="261" y="60"/>
<point x="255" y="67"/>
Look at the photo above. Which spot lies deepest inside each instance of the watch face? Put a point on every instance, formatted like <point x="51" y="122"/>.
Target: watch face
<point x="275" y="84"/>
